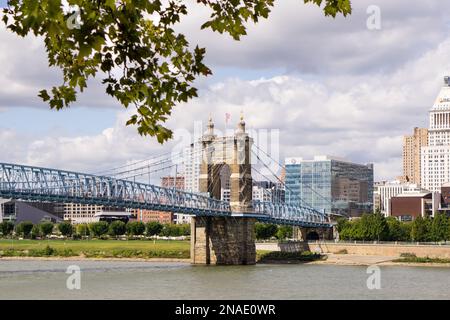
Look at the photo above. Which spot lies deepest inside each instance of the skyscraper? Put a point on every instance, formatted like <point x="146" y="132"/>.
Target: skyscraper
<point x="435" y="158"/>
<point x="330" y="184"/>
<point x="192" y="161"/>
<point x="411" y="155"/>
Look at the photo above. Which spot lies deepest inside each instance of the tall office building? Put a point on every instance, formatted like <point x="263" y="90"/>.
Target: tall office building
<point x="330" y="184"/>
<point x="435" y="158"/>
<point x="411" y="155"/>
<point x="192" y="160"/>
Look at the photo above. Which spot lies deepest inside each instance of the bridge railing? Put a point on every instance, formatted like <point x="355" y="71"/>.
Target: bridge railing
<point x="283" y="211"/>
<point x="34" y="183"/>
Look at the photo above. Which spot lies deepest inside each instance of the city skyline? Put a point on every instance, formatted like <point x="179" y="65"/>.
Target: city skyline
<point x="334" y="108"/>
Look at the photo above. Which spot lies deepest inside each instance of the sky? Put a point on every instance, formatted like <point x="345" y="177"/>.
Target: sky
<point x="328" y="86"/>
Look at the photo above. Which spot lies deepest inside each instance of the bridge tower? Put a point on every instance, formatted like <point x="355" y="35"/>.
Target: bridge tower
<point x="230" y="240"/>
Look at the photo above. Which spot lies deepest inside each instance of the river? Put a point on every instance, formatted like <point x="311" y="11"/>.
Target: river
<point x="151" y="280"/>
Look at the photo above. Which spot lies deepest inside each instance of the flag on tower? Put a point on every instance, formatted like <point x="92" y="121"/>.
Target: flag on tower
<point x="227" y="117"/>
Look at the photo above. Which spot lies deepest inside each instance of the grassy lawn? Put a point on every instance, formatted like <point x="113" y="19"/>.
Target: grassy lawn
<point x="263" y="256"/>
<point x="127" y="249"/>
<point x="412" y="258"/>
<point x="422" y="260"/>
<point x="97" y="248"/>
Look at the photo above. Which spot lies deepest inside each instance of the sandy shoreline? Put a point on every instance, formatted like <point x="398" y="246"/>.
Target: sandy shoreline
<point x="366" y="260"/>
<point x="332" y="259"/>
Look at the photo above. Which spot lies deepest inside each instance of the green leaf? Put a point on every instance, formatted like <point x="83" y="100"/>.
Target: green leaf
<point x="44" y="95"/>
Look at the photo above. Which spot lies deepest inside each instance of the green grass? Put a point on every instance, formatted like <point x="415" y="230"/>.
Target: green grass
<point x="96" y="248"/>
<point x="287" y="257"/>
<point x="412" y="258"/>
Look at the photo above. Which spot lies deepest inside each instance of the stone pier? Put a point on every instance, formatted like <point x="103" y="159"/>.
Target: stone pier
<point x="226" y="241"/>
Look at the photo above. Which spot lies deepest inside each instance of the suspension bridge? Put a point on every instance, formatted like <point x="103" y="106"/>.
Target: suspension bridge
<point x="221" y="230"/>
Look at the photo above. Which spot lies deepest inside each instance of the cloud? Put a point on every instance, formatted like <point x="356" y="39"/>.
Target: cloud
<point x="363" y="121"/>
<point x="297" y="37"/>
<point x="347" y="91"/>
<point x="25" y="72"/>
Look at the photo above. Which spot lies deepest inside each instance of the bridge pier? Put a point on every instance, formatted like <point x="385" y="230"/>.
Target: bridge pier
<point x="223" y="241"/>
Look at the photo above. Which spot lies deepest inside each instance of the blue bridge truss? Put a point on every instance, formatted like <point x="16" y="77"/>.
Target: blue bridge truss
<point x="51" y="185"/>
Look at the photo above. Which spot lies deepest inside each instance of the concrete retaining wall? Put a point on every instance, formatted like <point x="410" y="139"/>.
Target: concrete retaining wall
<point x="432" y="251"/>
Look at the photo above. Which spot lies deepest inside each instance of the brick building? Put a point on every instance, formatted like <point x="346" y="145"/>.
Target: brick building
<point x="407" y="207"/>
<point x="150" y="215"/>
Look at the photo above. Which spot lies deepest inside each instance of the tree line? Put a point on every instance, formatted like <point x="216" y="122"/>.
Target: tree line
<point x="375" y="226"/>
<point x="101" y="229"/>
<point x="265" y="231"/>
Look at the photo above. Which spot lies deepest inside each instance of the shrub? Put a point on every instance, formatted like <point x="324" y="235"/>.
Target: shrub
<point x="76" y="236"/>
<point x="170" y="230"/>
<point x="175" y="230"/>
<point x="185" y="229"/>
<point x="35" y="232"/>
<point x="439" y="227"/>
<point x="6" y="228"/>
<point x="117" y="228"/>
<point x="304" y="256"/>
<point x="47" y="251"/>
<point x="66" y="253"/>
<point x="284" y="232"/>
<point x="153" y="228"/>
<point x="373" y="227"/>
<point x="99" y="228"/>
<point x="265" y="231"/>
<point x="135" y="228"/>
<point x="65" y="228"/>
<point x="46" y="228"/>
<point x="83" y="230"/>
<point x="24" y="228"/>
<point x="420" y="230"/>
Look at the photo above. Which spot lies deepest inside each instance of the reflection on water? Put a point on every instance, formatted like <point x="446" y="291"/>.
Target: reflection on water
<point x="150" y="280"/>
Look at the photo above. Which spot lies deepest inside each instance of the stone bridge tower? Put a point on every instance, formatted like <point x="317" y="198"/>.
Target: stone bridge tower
<point x="219" y="240"/>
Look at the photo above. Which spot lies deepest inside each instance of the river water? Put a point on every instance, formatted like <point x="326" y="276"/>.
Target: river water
<point x="151" y="280"/>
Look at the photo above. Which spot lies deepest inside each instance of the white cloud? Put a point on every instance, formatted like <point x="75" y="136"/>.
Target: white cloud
<point x="297" y="37"/>
<point x="363" y="91"/>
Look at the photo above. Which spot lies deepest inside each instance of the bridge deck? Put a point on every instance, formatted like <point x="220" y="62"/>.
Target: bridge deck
<point x="53" y="185"/>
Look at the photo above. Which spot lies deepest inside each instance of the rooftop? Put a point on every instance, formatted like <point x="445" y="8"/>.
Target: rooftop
<point x="413" y="195"/>
<point x="443" y="99"/>
<point x="297" y="160"/>
<point x="112" y="213"/>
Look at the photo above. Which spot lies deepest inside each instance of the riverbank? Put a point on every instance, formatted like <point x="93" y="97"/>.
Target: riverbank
<point x="369" y="260"/>
<point x="328" y="259"/>
<point x="83" y="258"/>
<point x="179" y="251"/>
<point x="105" y="249"/>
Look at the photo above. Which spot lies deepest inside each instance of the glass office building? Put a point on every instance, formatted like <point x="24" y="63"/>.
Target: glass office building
<point x="330" y="184"/>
